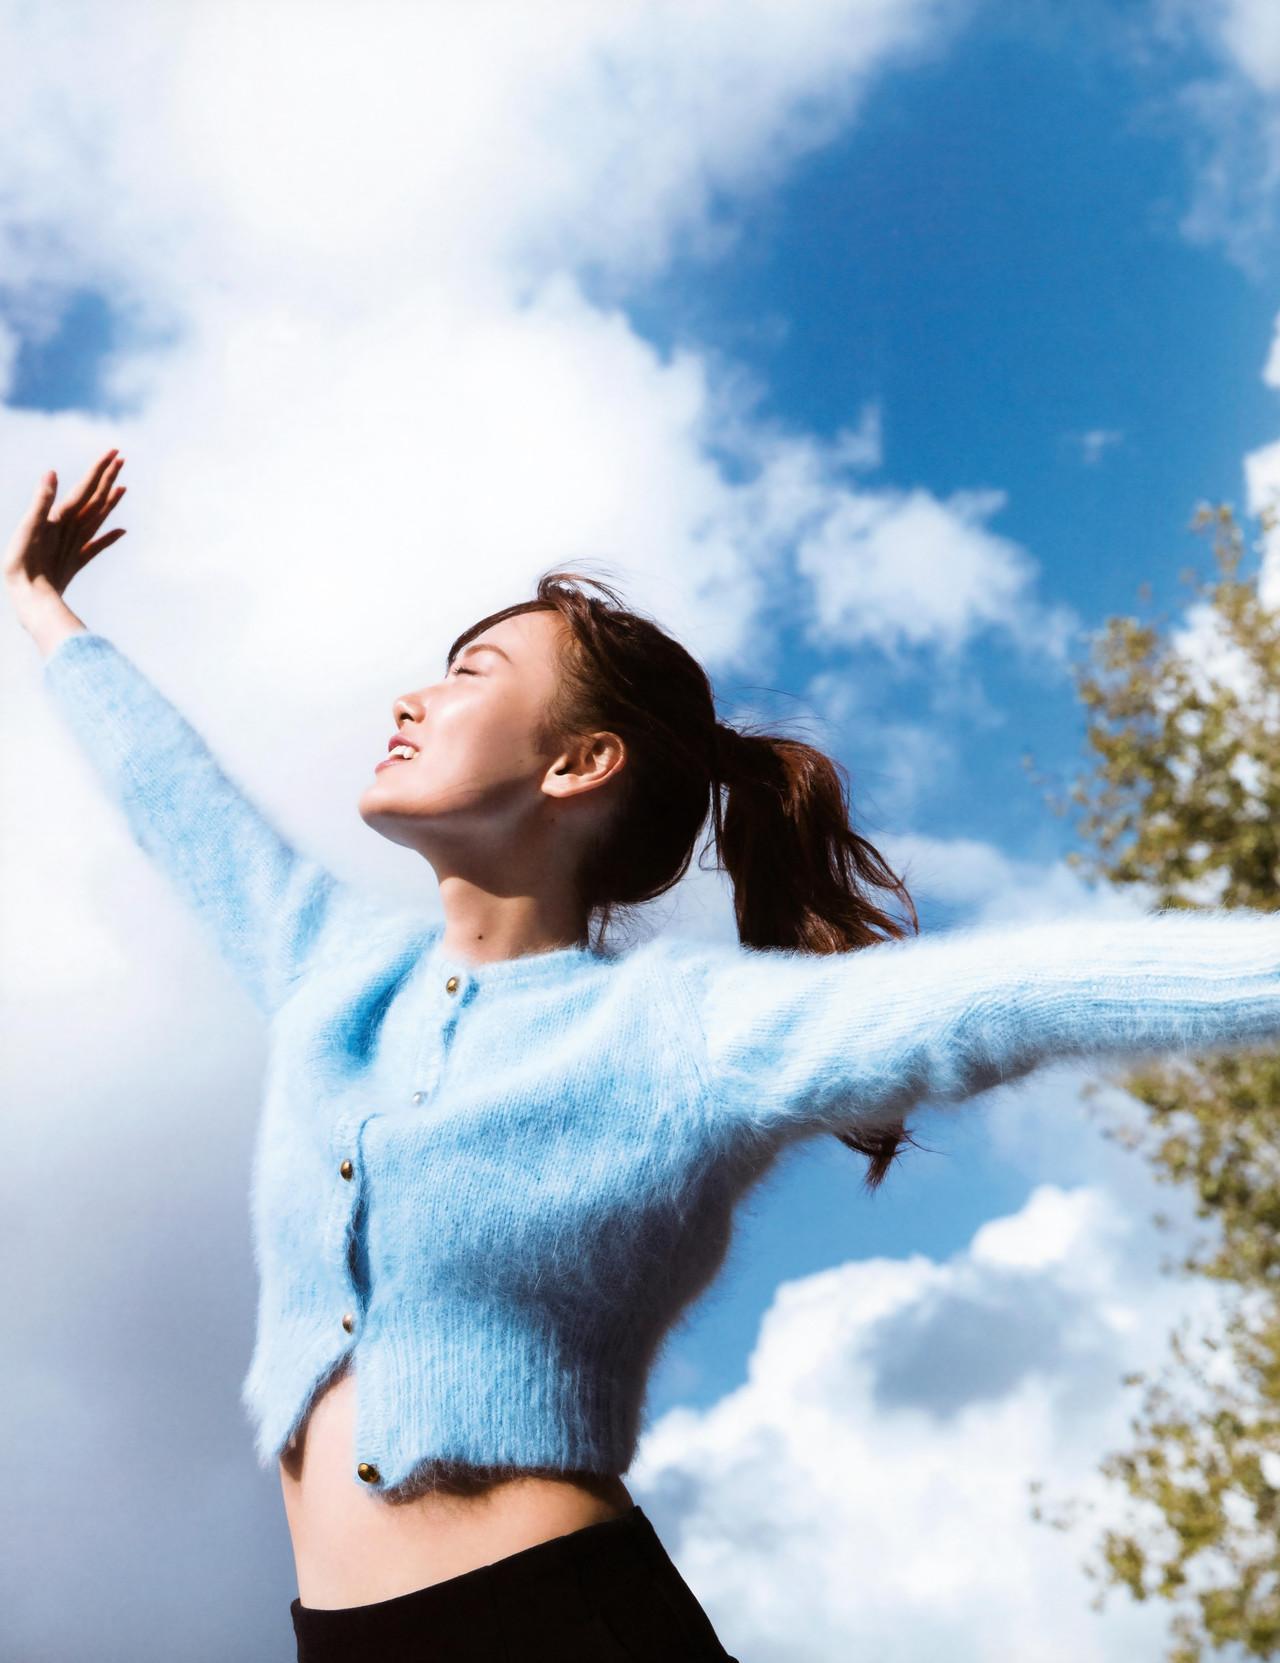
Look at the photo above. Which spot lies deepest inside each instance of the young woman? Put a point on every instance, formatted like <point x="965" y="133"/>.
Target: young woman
<point x="496" y="1159"/>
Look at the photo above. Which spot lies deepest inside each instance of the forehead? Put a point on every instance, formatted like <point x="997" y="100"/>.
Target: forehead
<point x="526" y="637"/>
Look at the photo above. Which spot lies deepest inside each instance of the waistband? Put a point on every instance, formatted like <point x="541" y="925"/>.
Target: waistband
<point x="617" y="1559"/>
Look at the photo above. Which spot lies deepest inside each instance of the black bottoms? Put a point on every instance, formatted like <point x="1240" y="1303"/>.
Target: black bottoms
<point x="607" y="1593"/>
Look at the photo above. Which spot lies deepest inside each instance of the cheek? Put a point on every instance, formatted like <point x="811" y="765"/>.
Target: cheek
<point x="483" y="744"/>
<point x="501" y="736"/>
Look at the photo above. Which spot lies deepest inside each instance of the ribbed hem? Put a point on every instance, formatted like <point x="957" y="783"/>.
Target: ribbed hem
<point x="463" y="1383"/>
<point x="283" y="1375"/>
<point x="481" y="1387"/>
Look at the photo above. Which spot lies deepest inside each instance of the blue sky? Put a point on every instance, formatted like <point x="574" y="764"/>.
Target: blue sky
<point x="1002" y="273"/>
<point x="883" y="348"/>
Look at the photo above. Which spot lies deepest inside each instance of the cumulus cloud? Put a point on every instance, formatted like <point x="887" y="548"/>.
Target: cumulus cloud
<point x="380" y="146"/>
<point x="865" y="1491"/>
<point x="906" y="569"/>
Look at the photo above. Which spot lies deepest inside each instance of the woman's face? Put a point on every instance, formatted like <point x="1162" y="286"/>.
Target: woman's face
<point x="477" y="771"/>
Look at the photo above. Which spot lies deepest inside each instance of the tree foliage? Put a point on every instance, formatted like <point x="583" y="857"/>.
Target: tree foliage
<point x="1182" y="797"/>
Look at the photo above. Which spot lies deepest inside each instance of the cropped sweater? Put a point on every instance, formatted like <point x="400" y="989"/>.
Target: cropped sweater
<point x="494" y="1187"/>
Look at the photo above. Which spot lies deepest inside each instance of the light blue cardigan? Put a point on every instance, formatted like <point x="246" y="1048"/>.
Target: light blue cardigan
<point x="497" y="1186"/>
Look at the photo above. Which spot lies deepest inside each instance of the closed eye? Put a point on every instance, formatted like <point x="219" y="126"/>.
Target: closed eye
<point x="461" y="670"/>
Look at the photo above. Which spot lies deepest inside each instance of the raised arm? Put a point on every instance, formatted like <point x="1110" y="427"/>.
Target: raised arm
<point x="797" y="1042"/>
<point x="266" y="904"/>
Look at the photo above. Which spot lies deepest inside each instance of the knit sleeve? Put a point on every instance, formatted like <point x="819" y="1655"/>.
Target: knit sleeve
<point x="265" y="904"/>
<point x="798" y="1042"/>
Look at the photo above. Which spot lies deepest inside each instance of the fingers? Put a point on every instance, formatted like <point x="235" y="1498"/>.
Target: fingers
<point x="46" y="490"/>
<point x="90" y="549"/>
<point x="97" y="504"/>
<point x="91" y="517"/>
<point x="49" y="537"/>
<point x="30" y="523"/>
<point x="88" y="485"/>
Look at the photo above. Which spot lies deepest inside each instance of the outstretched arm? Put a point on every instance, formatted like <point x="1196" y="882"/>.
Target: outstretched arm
<point x="798" y="1042"/>
<point x="266" y="904"/>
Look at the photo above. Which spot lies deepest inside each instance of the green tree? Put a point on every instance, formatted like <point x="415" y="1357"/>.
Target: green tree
<point x="1182" y="794"/>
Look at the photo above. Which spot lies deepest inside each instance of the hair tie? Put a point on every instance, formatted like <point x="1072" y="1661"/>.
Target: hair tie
<point x="730" y="745"/>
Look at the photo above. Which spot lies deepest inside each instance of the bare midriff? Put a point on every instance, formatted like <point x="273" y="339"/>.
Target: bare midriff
<point x="352" y="1546"/>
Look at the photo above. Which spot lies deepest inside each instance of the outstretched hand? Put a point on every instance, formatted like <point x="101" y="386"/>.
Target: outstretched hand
<point x="52" y="543"/>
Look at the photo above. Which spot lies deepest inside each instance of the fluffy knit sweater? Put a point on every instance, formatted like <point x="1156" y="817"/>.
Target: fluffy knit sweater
<point x="493" y="1188"/>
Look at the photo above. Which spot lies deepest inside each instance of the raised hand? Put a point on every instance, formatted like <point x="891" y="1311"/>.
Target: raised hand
<point x="52" y="543"/>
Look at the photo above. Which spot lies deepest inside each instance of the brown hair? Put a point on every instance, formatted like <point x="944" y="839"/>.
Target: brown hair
<point x="799" y="871"/>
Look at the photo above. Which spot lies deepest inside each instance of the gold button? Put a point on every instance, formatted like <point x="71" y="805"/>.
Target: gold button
<point x="451" y="986"/>
<point x="346" y="1169"/>
<point x="348" y="1321"/>
<point x="368" y="1472"/>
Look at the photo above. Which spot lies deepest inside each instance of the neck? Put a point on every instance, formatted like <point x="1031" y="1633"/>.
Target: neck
<point x="484" y="927"/>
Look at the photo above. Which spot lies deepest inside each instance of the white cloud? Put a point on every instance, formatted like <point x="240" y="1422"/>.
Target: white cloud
<point x="1262" y="486"/>
<point x="903" y="765"/>
<point x="905" y="569"/>
<point x="1262" y="493"/>
<point x="860" y="447"/>
<point x="847" y="1498"/>
<point x="358" y="153"/>
<point x="1095" y="442"/>
<point x="1232" y="119"/>
<point x="1213" y="660"/>
<point x="1271" y="369"/>
<point x="973" y="881"/>
<point x="1250" y="31"/>
<point x="897" y="765"/>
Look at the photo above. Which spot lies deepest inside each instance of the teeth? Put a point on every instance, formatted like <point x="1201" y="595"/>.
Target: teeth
<point x="401" y="750"/>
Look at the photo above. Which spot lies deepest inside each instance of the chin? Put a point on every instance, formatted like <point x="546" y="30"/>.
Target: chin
<point x="396" y="828"/>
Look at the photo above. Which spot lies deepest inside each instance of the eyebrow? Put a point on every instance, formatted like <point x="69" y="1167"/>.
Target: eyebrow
<point x="482" y="646"/>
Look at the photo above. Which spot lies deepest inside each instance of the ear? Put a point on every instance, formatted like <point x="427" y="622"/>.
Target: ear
<point x="585" y="765"/>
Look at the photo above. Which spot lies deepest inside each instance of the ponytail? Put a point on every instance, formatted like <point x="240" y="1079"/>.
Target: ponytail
<point x="799" y="871"/>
